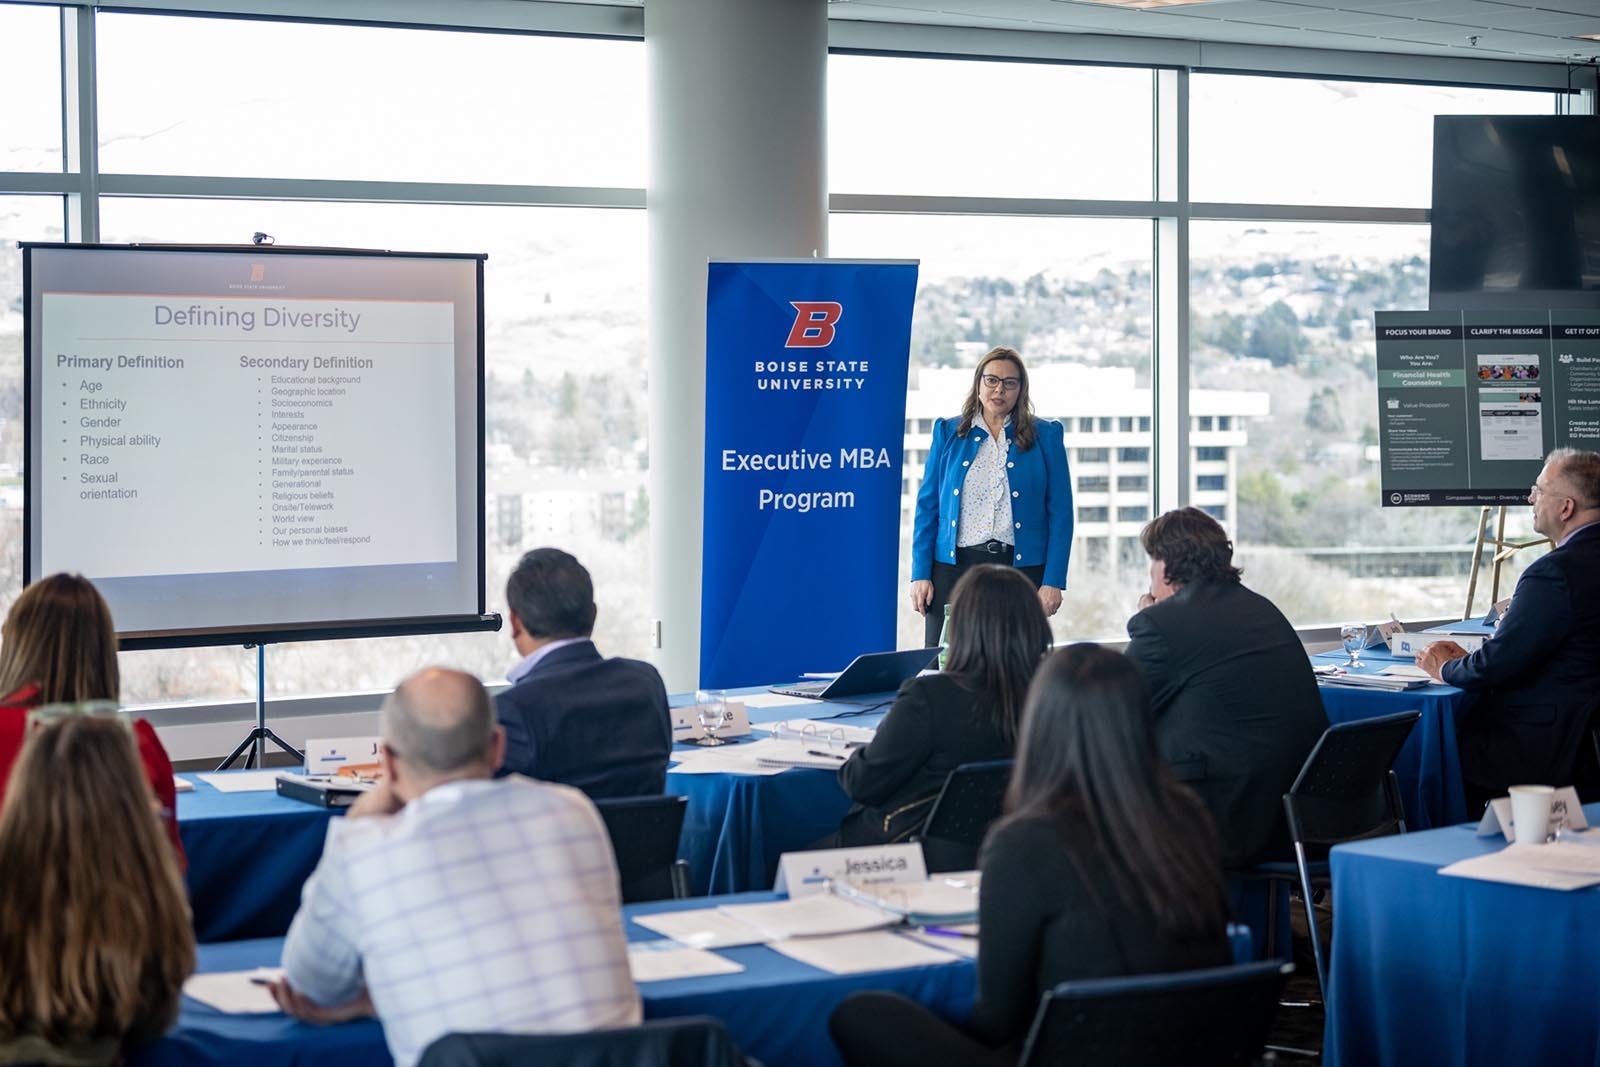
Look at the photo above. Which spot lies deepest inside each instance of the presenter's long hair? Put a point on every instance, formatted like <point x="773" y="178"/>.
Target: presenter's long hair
<point x="998" y="634"/>
<point x="1088" y="757"/>
<point x="1023" y="432"/>
<point x="95" y="930"/>
<point x="60" y="637"/>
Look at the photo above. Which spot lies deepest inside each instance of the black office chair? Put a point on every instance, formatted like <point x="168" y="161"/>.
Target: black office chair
<point x="1202" y="1018"/>
<point x="644" y="835"/>
<point x="972" y="798"/>
<point x="1346" y="791"/>
<point x="694" y="1041"/>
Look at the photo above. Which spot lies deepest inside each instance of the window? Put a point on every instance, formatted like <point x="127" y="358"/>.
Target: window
<point x="1133" y="483"/>
<point x="1094" y="483"/>
<point x="912" y="126"/>
<point x="1144" y="423"/>
<point x="1216" y="511"/>
<point x="1105" y="424"/>
<point x="1273" y="140"/>
<point x="357" y="108"/>
<point x="1094" y="455"/>
<point x="1210" y="454"/>
<point x="30" y="71"/>
<point x="1093" y="514"/>
<point x="1203" y="422"/>
<point x="1133" y="514"/>
<point x="1211" y="482"/>
<point x="1085" y="424"/>
<point x="1133" y="455"/>
<point x="1125" y="424"/>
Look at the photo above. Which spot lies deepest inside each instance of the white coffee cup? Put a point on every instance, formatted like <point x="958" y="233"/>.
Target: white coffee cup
<point x="1530" y="813"/>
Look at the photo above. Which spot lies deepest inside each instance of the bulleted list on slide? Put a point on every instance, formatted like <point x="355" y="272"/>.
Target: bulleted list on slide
<point x="192" y="435"/>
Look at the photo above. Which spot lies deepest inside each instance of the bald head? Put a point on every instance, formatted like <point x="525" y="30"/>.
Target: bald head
<point x="441" y="723"/>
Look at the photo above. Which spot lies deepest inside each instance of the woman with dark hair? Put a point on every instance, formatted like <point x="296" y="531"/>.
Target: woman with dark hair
<point x="1103" y="866"/>
<point x="58" y="645"/>
<point x="964" y="714"/>
<point x="1237" y="708"/>
<point x="996" y="489"/>
<point x="95" y="933"/>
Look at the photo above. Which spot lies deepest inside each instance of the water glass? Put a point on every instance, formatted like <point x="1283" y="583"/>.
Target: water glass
<point x="1353" y="635"/>
<point x="711" y="708"/>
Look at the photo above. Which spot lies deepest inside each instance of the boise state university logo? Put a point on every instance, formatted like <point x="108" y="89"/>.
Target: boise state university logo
<point x="813" y="323"/>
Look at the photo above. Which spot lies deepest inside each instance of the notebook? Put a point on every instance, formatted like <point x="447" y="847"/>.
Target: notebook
<point x="871" y="672"/>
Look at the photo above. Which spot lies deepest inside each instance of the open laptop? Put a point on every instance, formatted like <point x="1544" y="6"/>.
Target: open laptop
<point x="872" y="672"/>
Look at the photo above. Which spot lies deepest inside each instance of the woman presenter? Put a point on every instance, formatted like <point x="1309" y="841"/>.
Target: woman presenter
<point x="996" y="490"/>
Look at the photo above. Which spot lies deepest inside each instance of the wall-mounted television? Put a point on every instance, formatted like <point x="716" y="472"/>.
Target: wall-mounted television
<point x="1516" y="212"/>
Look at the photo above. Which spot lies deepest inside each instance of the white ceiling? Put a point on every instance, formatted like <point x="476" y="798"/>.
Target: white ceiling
<point x="1503" y="29"/>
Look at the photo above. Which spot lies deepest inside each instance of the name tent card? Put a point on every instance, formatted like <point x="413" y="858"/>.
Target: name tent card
<point x="1565" y="811"/>
<point x="802" y="874"/>
<point x="352" y="755"/>
<point x="686" y="722"/>
<point x="1409" y="644"/>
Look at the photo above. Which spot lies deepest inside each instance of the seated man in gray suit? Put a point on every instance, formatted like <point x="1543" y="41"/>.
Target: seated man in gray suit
<point x="571" y="715"/>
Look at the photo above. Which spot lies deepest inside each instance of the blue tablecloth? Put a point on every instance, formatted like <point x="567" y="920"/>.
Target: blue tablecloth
<point x="1431" y="969"/>
<point x="776" y="1008"/>
<point x="738" y="825"/>
<point x="249" y="854"/>
<point x="1428" y="767"/>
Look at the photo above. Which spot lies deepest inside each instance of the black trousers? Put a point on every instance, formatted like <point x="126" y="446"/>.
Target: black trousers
<point x="878" y="1029"/>
<point x="945" y="576"/>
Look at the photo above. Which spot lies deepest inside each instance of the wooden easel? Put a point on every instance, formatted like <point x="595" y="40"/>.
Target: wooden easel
<point x="1503" y="550"/>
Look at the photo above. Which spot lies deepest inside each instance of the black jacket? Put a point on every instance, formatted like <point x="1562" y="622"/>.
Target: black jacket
<point x="598" y="724"/>
<point x="1537" y="679"/>
<point x="1049" y="912"/>
<point x="934" y="726"/>
<point x="1237" y="707"/>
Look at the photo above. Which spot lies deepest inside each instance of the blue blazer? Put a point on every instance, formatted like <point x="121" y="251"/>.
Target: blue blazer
<point x="1537" y="680"/>
<point x="1041" y="499"/>
<point x="598" y="724"/>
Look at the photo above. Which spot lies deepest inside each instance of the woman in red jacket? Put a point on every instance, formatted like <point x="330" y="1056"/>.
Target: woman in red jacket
<point x="59" y="646"/>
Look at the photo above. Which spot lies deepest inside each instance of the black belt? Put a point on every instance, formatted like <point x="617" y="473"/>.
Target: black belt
<point x="986" y="550"/>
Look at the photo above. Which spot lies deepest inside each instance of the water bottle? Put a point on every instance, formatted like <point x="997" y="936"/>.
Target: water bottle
<point x="944" y="638"/>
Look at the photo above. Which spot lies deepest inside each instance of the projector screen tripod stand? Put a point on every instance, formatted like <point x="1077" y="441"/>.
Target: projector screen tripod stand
<point x="254" y="746"/>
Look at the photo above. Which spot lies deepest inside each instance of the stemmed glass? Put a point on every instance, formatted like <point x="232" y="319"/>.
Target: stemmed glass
<point x="711" y="708"/>
<point x="1354" y="637"/>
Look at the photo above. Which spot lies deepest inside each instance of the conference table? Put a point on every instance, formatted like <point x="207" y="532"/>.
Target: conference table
<point x="1428" y="768"/>
<point x="249" y="853"/>
<point x="776" y="1008"/>
<point x="1429" y="968"/>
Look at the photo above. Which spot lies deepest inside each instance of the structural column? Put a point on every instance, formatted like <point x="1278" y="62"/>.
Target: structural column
<point x="738" y="170"/>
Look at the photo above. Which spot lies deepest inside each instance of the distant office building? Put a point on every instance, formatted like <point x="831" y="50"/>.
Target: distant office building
<point x="1109" y="443"/>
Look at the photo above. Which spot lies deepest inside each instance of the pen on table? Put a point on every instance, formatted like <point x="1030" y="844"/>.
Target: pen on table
<point x="945" y="931"/>
<point x="824" y="755"/>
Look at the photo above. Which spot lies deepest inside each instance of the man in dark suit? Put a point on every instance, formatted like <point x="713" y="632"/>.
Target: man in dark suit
<point x="572" y="716"/>
<point x="1237" y="708"/>
<point x="1538" y="678"/>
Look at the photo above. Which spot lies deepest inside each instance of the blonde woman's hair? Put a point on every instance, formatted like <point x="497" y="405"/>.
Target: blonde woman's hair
<point x="95" y="930"/>
<point x="59" y="636"/>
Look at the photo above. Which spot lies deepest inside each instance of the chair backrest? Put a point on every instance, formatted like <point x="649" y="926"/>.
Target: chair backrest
<point x="1196" y="1018"/>
<point x="972" y="798"/>
<point x="644" y="835"/>
<point x="1346" y="789"/>
<point x="693" y="1041"/>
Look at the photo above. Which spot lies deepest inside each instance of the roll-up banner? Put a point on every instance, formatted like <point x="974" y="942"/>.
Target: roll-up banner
<point x="806" y="366"/>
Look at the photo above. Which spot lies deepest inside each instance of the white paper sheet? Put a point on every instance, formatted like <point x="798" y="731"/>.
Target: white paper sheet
<point x="1559" y="865"/>
<point x="182" y="785"/>
<point x="811" y="916"/>
<point x="858" y="953"/>
<point x="702" y="928"/>
<point x="235" y="992"/>
<point x="966" y="947"/>
<point x="242" y="781"/>
<point x="658" y="961"/>
<point x="773" y="700"/>
<point x="726" y="759"/>
<point x="1406" y="670"/>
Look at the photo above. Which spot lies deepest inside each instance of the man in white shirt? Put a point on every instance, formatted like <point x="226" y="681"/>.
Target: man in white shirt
<point x="449" y="901"/>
